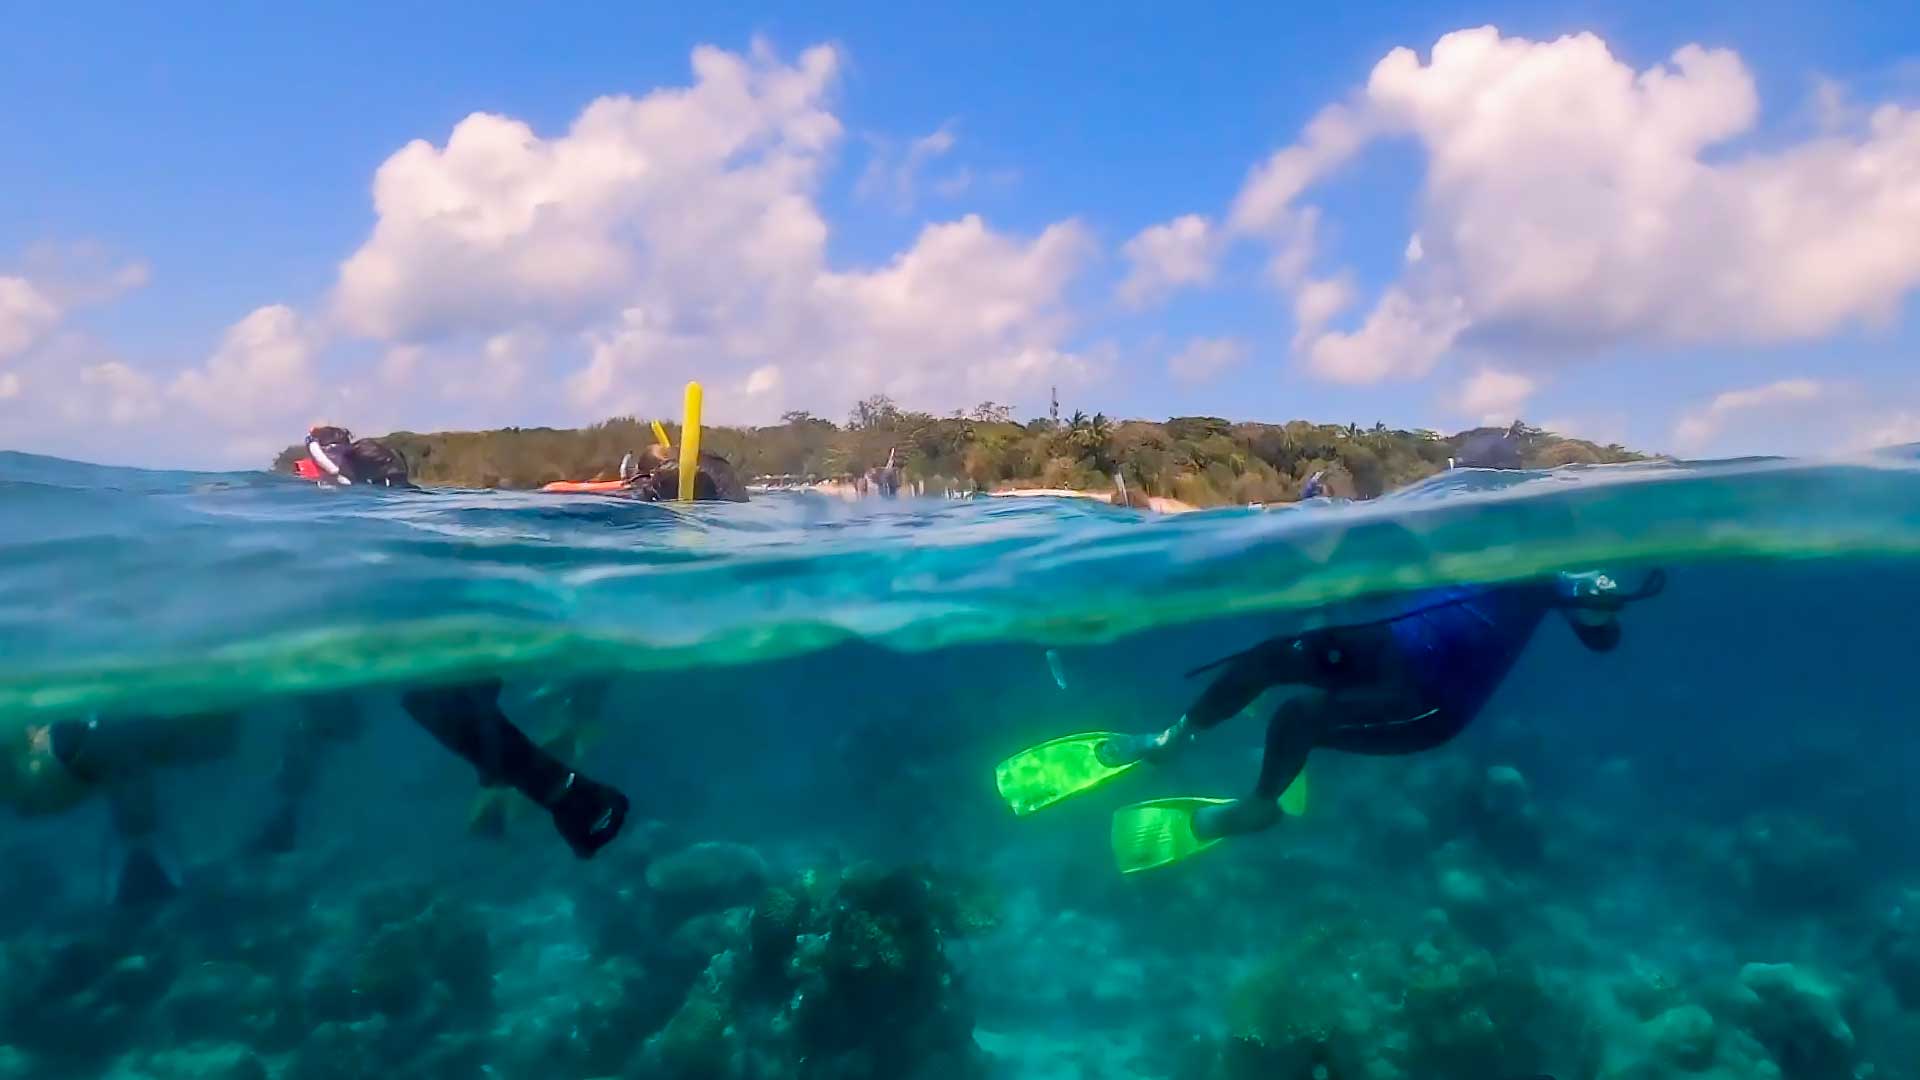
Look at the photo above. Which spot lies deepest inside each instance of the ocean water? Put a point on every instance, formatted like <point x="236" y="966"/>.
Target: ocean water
<point x="1689" y="857"/>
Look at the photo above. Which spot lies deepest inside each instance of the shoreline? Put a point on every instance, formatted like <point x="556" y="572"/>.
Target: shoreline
<point x="1158" y="503"/>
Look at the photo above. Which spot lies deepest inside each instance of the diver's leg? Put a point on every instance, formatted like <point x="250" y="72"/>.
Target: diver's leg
<point x="1268" y="664"/>
<point x="135" y="809"/>
<point x="563" y="717"/>
<point x="1292" y="732"/>
<point x="467" y="720"/>
<point x="320" y="721"/>
<point x="1390" y="721"/>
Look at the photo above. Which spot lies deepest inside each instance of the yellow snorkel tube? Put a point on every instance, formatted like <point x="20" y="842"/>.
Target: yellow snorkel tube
<point x="689" y="441"/>
<point x="660" y="435"/>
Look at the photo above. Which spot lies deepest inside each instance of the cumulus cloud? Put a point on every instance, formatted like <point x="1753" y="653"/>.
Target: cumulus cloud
<point x="1165" y="258"/>
<point x="124" y="394"/>
<point x="501" y="226"/>
<point x="677" y="235"/>
<point x="1495" y="397"/>
<point x="1699" y="427"/>
<point x="55" y="282"/>
<point x="27" y="315"/>
<point x="1572" y="203"/>
<point x="1204" y="358"/>
<point x="1318" y="301"/>
<point x="262" y="372"/>
<point x="1405" y="334"/>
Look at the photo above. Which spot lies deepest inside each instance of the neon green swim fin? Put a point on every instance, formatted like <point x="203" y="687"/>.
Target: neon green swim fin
<point x="1037" y="778"/>
<point x="1158" y="833"/>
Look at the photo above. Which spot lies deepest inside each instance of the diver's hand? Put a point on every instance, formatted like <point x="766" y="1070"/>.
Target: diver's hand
<point x="1595" y="591"/>
<point x="589" y="815"/>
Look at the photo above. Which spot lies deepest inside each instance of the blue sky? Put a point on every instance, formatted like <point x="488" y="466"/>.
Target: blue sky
<point x="185" y="190"/>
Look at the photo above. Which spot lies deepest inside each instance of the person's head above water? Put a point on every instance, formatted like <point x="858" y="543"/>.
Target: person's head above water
<point x="1492" y="450"/>
<point x="657" y="477"/>
<point x="330" y="449"/>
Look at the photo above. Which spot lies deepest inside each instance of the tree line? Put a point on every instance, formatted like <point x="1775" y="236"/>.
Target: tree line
<point x="1203" y="460"/>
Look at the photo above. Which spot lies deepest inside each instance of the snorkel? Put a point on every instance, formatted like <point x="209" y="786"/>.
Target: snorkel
<point x="317" y="452"/>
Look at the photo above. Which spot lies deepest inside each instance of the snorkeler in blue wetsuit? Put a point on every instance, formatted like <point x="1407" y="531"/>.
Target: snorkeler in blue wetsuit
<point x="1398" y="685"/>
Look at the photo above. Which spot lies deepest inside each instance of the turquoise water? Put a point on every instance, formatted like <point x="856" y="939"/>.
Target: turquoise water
<point x="1689" y="857"/>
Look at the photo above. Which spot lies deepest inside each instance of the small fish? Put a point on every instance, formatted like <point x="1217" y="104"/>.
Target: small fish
<point x="1059" y="672"/>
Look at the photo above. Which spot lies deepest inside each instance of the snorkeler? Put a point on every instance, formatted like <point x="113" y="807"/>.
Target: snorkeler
<point x="51" y="768"/>
<point x="885" y="479"/>
<point x="335" y="458"/>
<point x="654" y="476"/>
<point x="1398" y="685"/>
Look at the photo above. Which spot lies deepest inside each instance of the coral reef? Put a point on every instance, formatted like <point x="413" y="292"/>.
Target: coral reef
<point x="706" y="877"/>
<point x="1796" y="1015"/>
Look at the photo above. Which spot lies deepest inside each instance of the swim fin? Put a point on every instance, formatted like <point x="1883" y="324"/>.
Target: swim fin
<point x="1159" y="832"/>
<point x="1036" y="778"/>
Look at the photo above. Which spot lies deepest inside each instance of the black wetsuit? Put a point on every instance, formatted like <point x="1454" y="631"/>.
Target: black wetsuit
<point x="1398" y="685"/>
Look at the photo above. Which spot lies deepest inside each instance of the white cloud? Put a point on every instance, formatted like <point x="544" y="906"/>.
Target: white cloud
<point x="26" y="316"/>
<point x="1403" y="335"/>
<point x="1265" y="204"/>
<point x="503" y="227"/>
<point x="1572" y="204"/>
<point x="762" y="380"/>
<point x="1700" y="427"/>
<point x="1896" y="428"/>
<point x="124" y="394"/>
<point x="83" y="274"/>
<point x="1320" y="300"/>
<point x="401" y="363"/>
<point x="895" y="177"/>
<point x="677" y="236"/>
<point x="506" y="358"/>
<point x="261" y="374"/>
<point x="1204" y="358"/>
<point x="1164" y="258"/>
<point x="1491" y="396"/>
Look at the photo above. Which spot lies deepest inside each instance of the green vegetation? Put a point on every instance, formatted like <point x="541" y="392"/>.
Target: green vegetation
<point x="1203" y="460"/>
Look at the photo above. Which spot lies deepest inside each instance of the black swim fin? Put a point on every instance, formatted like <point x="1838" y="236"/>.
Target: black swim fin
<point x="589" y="815"/>
<point x="143" y="882"/>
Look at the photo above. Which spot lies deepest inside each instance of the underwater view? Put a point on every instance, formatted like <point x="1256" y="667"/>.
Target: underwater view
<point x="1587" y="772"/>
